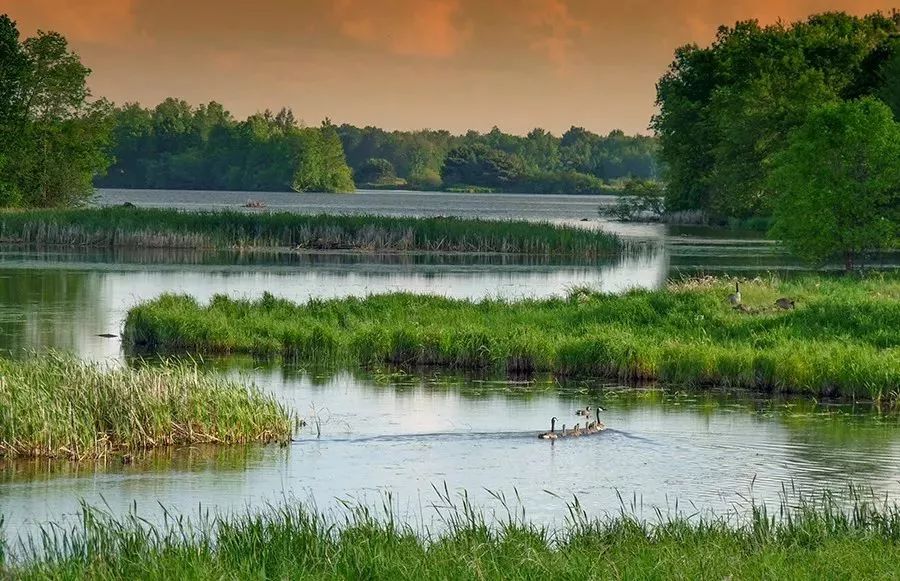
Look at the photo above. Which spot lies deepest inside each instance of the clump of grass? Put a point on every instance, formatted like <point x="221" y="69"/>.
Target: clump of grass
<point x="813" y="541"/>
<point x="843" y="338"/>
<point x="161" y="228"/>
<point x="56" y="406"/>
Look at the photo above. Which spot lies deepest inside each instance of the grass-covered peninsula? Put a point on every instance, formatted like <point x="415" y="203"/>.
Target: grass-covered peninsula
<point x="159" y="228"/>
<point x="55" y="406"/>
<point x="289" y="541"/>
<point x="843" y="337"/>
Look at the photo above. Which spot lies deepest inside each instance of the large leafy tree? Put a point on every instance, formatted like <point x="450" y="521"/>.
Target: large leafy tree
<point x="726" y="109"/>
<point x="321" y="166"/>
<point x="53" y="140"/>
<point x="838" y="182"/>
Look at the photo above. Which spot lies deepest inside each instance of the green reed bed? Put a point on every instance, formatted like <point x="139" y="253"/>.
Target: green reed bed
<point x="289" y="541"/>
<point x="56" y="406"/>
<point x="843" y="337"/>
<point x="159" y="228"/>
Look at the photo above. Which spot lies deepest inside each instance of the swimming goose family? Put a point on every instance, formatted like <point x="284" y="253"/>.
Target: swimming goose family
<point x="590" y="428"/>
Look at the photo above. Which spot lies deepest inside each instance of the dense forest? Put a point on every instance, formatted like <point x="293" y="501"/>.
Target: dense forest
<point x="577" y="162"/>
<point x="726" y="111"/>
<point x="175" y="145"/>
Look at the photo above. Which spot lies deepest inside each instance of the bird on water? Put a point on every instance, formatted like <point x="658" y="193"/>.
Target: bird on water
<point x="551" y="435"/>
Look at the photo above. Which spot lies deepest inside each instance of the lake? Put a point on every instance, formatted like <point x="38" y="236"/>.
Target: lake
<point x="387" y="432"/>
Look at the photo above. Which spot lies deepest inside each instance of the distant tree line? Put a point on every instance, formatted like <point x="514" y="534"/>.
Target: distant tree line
<point x="577" y="162"/>
<point x="177" y="146"/>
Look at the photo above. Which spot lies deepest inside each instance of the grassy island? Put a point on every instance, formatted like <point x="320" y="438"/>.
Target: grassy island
<point x="55" y="406"/>
<point x="843" y="338"/>
<point x="160" y="228"/>
<point x="292" y="542"/>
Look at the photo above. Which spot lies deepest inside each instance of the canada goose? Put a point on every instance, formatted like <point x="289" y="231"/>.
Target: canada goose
<point x="598" y="425"/>
<point x="551" y="435"/>
<point x="562" y="433"/>
<point x="785" y="303"/>
<point x="735" y="297"/>
<point x="576" y="431"/>
<point x="585" y="412"/>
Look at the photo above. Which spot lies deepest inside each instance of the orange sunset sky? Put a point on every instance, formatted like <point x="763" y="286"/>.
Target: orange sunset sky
<point x="401" y="64"/>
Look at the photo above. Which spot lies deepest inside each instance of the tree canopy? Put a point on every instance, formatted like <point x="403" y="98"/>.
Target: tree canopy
<point x="727" y="109"/>
<point x="178" y="146"/>
<point x="579" y="161"/>
<point x="838" y="182"/>
<point x="53" y="139"/>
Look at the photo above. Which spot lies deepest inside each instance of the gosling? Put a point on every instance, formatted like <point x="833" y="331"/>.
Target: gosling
<point x="785" y="304"/>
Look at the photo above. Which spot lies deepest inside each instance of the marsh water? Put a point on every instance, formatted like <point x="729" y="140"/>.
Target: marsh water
<point x="390" y="432"/>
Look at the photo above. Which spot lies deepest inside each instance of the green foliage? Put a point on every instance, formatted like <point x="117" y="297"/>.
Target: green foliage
<point x="57" y="406"/>
<point x="577" y="162"/>
<point x="479" y="165"/>
<point x="562" y="182"/>
<point x="725" y="110"/>
<point x="888" y="79"/>
<point x="376" y="171"/>
<point x="800" y="540"/>
<point x="321" y="166"/>
<point x="137" y="227"/>
<point x="53" y="141"/>
<point x="178" y="146"/>
<point x="839" y="182"/>
<point x="638" y="200"/>
<point x="844" y="337"/>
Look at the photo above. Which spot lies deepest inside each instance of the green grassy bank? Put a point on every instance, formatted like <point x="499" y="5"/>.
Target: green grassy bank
<point x="291" y="542"/>
<point x="843" y="337"/>
<point x="55" y="406"/>
<point x="155" y="228"/>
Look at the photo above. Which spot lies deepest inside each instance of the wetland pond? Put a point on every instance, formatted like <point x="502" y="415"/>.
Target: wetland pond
<point x="390" y="432"/>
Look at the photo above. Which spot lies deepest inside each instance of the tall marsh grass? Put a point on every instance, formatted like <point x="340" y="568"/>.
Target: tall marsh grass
<point x="55" y="406"/>
<point x="842" y="339"/>
<point x="160" y="228"/>
<point x="815" y="540"/>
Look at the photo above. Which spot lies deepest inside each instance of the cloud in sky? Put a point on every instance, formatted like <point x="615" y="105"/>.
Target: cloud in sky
<point x="455" y="64"/>
<point x="90" y="21"/>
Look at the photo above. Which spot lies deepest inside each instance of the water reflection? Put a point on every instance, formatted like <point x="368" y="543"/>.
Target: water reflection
<point x="402" y="433"/>
<point x="65" y="299"/>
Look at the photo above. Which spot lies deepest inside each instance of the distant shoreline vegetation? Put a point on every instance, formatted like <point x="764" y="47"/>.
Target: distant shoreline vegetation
<point x="178" y="146"/>
<point x="842" y="339"/>
<point x="164" y="228"/>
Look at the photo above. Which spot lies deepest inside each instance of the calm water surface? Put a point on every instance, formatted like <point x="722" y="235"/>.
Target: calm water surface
<point x="402" y="434"/>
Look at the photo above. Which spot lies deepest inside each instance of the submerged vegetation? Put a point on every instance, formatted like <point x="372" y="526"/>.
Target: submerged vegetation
<point x="55" y="406"/>
<point x="136" y="227"/>
<point x="813" y="541"/>
<point x="842" y="338"/>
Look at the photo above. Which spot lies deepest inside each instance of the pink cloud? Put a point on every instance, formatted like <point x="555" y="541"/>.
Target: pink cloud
<point x="85" y="21"/>
<point x="428" y="28"/>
